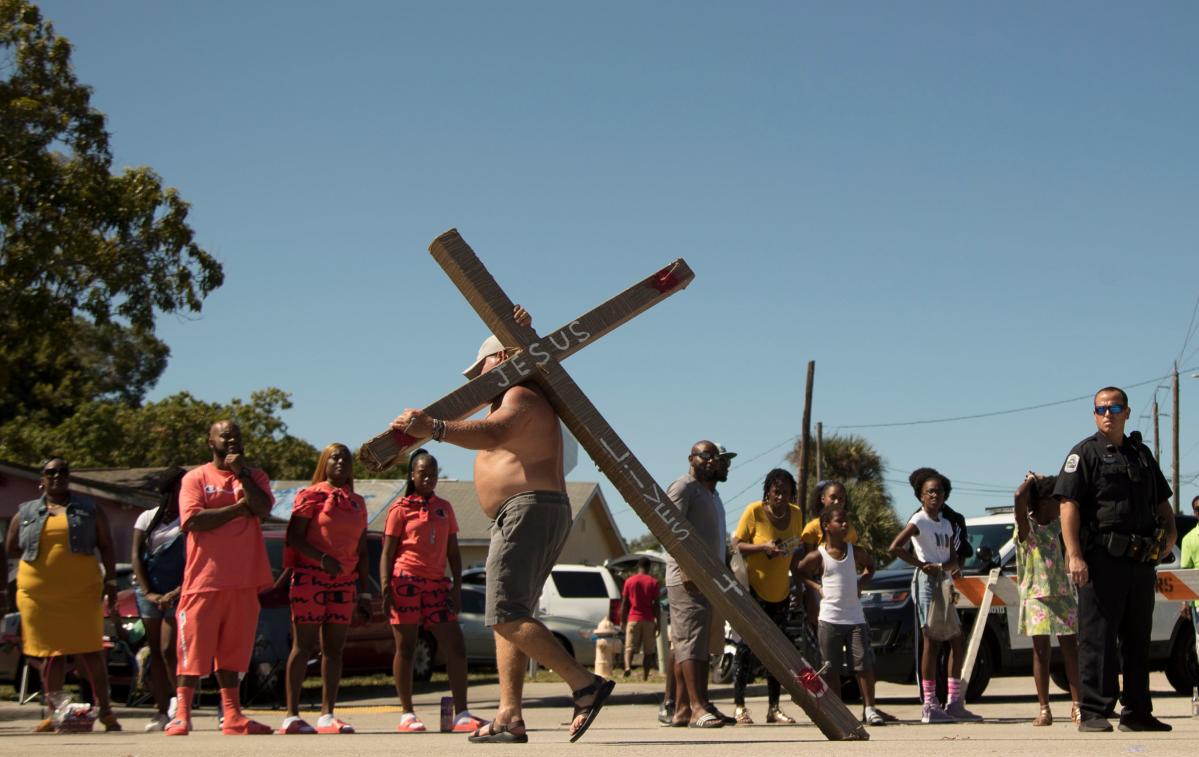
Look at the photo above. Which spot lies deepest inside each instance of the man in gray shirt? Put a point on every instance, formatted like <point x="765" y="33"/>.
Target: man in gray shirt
<point x="690" y="611"/>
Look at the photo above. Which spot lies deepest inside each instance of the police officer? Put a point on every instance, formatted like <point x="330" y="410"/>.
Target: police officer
<point x="1116" y="521"/>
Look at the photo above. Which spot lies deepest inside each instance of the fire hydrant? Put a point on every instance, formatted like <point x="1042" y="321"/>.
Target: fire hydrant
<point x="608" y="646"/>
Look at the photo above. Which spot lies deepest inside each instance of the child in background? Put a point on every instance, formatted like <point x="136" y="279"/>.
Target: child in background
<point x="842" y="622"/>
<point x="1047" y="601"/>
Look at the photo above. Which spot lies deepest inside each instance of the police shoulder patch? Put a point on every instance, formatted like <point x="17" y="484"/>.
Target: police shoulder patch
<point x="1071" y="464"/>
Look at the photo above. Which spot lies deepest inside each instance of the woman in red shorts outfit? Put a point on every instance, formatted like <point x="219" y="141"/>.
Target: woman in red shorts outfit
<point x="326" y="551"/>
<point x="420" y="538"/>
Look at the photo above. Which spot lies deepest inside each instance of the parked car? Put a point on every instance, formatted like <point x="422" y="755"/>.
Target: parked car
<point x="891" y="615"/>
<point x="586" y="592"/>
<point x="370" y="646"/>
<point x="575" y="635"/>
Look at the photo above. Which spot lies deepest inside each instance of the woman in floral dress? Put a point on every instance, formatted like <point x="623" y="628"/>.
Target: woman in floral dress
<point x="1048" y="604"/>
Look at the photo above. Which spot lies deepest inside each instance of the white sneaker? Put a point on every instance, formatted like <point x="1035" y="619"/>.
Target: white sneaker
<point x="873" y="717"/>
<point x="158" y="722"/>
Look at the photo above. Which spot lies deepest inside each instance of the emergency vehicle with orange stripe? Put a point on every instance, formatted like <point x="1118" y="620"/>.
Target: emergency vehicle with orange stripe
<point x="1003" y="651"/>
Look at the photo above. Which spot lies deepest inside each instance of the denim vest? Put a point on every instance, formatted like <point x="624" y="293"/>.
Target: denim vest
<point x="81" y="526"/>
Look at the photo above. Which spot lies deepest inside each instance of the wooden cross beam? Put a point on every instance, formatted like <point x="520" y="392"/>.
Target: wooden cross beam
<point x="391" y="447"/>
<point x="638" y="488"/>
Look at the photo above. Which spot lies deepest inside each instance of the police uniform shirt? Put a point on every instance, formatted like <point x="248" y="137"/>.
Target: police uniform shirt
<point x="1117" y="488"/>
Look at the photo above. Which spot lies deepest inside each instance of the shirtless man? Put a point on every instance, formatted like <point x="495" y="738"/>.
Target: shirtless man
<point x="221" y="505"/>
<point x="521" y="487"/>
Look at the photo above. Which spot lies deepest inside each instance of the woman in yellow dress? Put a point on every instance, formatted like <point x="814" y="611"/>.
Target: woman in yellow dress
<point x="59" y="586"/>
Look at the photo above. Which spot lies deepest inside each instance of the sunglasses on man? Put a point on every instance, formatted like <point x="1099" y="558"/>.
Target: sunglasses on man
<point x="1114" y="409"/>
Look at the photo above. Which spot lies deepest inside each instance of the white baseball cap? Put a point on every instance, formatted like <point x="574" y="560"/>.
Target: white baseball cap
<point x="490" y="346"/>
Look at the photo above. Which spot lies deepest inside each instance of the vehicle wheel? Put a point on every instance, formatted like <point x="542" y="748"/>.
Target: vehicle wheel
<point x="1182" y="669"/>
<point x="422" y="658"/>
<point x="722" y="671"/>
<point x="850" y="691"/>
<point x="565" y="645"/>
<point x="263" y="688"/>
<point x="984" y="668"/>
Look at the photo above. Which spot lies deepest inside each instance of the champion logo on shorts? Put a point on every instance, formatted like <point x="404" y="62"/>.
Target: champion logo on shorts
<point x="183" y="631"/>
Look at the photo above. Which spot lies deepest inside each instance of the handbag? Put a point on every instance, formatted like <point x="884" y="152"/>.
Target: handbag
<point x="164" y="566"/>
<point x="943" y="623"/>
<point x="739" y="569"/>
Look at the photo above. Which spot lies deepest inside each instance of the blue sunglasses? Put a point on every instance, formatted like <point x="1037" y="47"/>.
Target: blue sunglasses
<point x="1114" y="409"/>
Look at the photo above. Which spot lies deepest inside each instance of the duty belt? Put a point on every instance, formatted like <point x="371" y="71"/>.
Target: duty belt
<point x="1132" y="546"/>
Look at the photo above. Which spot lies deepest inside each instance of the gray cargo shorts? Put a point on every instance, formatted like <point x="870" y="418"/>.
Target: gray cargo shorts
<point x="690" y="623"/>
<point x="526" y="538"/>
<point x="834" y="638"/>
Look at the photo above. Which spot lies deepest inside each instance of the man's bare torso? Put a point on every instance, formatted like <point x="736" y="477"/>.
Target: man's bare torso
<point x="529" y="461"/>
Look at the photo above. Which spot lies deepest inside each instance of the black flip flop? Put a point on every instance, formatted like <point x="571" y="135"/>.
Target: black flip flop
<point x="498" y="734"/>
<point x="601" y="688"/>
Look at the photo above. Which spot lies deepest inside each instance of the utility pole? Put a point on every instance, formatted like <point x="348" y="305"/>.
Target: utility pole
<point x="1174" y="460"/>
<point x="1157" y="446"/>
<point x="819" y="451"/>
<point x="805" y="442"/>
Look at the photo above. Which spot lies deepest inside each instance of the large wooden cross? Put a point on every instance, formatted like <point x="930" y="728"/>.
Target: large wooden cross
<point x="537" y="359"/>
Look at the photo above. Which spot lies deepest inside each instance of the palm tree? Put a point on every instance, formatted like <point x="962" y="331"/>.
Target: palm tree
<point x="854" y="462"/>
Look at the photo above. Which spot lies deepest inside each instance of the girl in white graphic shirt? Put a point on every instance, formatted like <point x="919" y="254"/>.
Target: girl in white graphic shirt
<point x="926" y="542"/>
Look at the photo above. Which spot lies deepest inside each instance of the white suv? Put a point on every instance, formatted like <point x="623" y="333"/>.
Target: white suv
<point x="587" y="592"/>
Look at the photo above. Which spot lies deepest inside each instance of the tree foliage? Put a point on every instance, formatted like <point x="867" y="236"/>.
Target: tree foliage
<point x="87" y="257"/>
<point x="854" y="462"/>
<point x="647" y="542"/>
<point x="172" y="431"/>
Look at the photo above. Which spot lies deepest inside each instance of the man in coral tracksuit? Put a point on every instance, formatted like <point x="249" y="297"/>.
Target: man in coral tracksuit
<point x="221" y="505"/>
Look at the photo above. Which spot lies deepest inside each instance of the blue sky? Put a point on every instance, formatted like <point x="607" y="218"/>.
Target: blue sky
<point x="953" y="208"/>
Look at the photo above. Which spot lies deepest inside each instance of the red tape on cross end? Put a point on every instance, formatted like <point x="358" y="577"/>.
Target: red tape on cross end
<point x="665" y="279"/>
<point x="402" y="439"/>
<point x="811" y="680"/>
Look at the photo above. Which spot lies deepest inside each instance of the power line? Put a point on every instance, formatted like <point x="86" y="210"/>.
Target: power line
<point x="976" y="416"/>
<point x="1190" y="332"/>
<point x="747" y="461"/>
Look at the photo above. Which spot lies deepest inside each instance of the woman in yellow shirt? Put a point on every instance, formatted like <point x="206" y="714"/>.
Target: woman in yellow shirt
<point x="768" y="538"/>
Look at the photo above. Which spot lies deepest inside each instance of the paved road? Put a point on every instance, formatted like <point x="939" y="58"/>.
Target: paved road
<point x="627" y="728"/>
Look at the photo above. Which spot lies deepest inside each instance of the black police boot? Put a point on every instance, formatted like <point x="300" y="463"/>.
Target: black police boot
<point x="1143" y="722"/>
<point x="1095" y="725"/>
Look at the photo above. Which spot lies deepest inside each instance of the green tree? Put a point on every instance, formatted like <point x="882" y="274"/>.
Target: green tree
<point x="172" y="431"/>
<point x="854" y="462"/>
<point x="647" y="542"/>
<point x="88" y="258"/>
